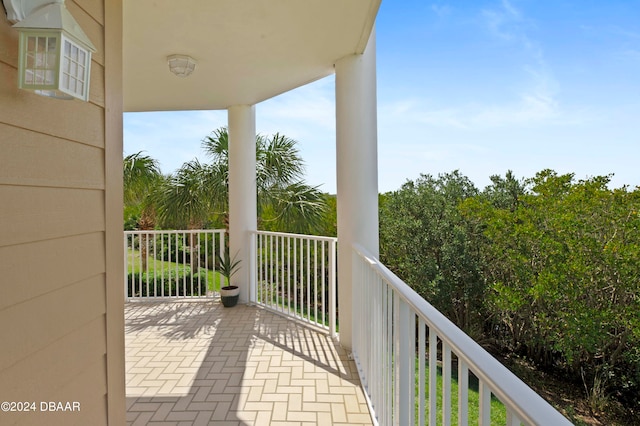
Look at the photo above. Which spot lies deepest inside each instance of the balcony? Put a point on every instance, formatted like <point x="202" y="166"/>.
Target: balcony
<point x="278" y="358"/>
<point x="198" y="362"/>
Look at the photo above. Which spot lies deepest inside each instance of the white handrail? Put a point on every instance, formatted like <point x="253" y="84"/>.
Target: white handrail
<point x="522" y="403"/>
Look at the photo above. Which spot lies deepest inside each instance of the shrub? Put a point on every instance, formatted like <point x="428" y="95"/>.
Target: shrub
<point x="170" y="283"/>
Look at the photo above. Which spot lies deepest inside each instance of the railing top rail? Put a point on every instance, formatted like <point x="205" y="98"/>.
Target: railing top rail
<point x="175" y="231"/>
<point x="286" y="234"/>
<point x="517" y="395"/>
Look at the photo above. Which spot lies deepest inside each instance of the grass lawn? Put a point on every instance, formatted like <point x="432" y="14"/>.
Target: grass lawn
<point x="158" y="266"/>
<point x="498" y="410"/>
<point x="273" y="297"/>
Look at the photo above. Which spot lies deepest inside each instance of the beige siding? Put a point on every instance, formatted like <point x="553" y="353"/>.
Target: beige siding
<point x="60" y="277"/>
<point x="27" y="155"/>
<point x="31" y="265"/>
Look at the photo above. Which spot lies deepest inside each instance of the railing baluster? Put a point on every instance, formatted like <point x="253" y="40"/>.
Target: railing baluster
<point x="295" y="276"/>
<point x="283" y="270"/>
<point x="308" y="312"/>
<point x="332" y="288"/>
<point x="221" y="249"/>
<point x="191" y="260"/>
<point x="276" y="267"/>
<point x="373" y="356"/>
<point x="390" y="362"/>
<point x="162" y="268"/>
<point x="125" y="279"/>
<point x="512" y="419"/>
<point x="411" y="360"/>
<point x="206" y="260"/>
<point x="315" y="280"/>
<point x="404" y="358"/>
<point x="270" y="283"/>
<point x="322" y="280"/>
<point x="421" y="371"/>
<point x="485" y="404"/>
<point x="289" y="275"/>
<point x="433" y="376"/>
<point x="463" y="393"/>
<point x="446" y="384"/>
<point x="383" y="400"/>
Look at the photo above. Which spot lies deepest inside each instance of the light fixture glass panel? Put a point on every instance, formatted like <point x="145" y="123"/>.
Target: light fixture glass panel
<point x="74" y="69"/>
<point x="39" y="76"/>
<point x="39" y="67"/>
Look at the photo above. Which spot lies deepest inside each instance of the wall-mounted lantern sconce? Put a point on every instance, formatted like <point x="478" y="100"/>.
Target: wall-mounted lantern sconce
<point x="181" y="65"/>
<point x="55" y="54"/>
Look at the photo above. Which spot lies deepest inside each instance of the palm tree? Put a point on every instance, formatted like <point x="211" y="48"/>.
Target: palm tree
<point x="185" y="199"/>
<point x="141" y="179"/>
<point x="285" y="202"/>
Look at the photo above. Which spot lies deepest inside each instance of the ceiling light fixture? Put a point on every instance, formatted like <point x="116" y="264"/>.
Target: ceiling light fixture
<point x="181" y="65"/>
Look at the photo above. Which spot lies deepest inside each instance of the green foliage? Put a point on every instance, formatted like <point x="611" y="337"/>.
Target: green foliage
<point x="227" y="266"/>
<point x="328" y="225"/>
<point x="427" y="242"/>
<point x="546" y="267"/>
<point x="197" y="195"/>
<point x="174" y="283"/>
<point x="562" y="265"/>
<point x="185" y="198"/>
<point x="141" y="179"/>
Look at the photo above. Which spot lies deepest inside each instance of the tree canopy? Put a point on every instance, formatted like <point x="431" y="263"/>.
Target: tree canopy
<point x="197" y="194"/>
<point x="546" y="267"/>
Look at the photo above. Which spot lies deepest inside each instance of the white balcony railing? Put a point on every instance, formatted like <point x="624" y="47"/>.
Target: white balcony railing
<point x="403" y="347"/>
<point x="296" y="276"/>
<point x="410" y="357"/>
<point x="172" y="264"/>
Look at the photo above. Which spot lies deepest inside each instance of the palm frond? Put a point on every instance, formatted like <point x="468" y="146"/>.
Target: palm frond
<point x="300" y="207"/>
<point x="140" y="174"/>
<point x="216" y="145"/>
<point x="278" y="162"/>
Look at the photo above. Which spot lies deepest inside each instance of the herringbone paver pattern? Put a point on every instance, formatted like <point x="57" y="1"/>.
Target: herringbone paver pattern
<point x="197" y="363"/>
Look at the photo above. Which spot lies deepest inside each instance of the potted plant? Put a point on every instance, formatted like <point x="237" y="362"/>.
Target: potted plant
<point x="229" y="294"/>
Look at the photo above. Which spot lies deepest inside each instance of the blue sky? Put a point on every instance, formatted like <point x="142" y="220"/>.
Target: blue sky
<point x="477" y="86"/>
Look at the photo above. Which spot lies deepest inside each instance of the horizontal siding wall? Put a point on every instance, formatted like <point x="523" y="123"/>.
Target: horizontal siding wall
<point x="52" y="240"/>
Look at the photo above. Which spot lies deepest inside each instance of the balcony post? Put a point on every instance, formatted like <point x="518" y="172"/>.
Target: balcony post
<point x="242" y="192"/>
<point x="357" y="171"/>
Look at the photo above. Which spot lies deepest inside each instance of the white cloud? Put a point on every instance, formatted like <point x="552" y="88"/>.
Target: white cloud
<point x="312" y="105"/>
<point x="534" y="106"/>
<point x="441" y="10"/>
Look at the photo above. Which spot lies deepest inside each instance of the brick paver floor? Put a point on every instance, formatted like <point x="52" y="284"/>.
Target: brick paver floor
<point x="198" y="363"/>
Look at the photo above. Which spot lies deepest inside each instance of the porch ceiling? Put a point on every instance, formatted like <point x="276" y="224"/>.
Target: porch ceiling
<point x="246" y="51"/>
